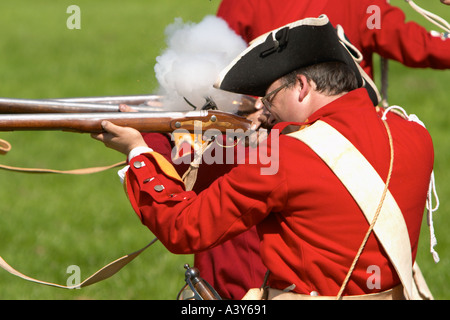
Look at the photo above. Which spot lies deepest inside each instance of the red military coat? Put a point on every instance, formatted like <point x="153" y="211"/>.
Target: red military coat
<point x="309" y="225"/>
<point x="384" y="32"/>
<point x="235" y="265"/>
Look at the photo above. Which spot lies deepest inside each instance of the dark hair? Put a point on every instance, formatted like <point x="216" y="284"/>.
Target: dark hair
<point x="331" y="78"/>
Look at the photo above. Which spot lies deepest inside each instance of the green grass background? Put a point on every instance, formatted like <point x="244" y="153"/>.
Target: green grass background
<point x="49" y="222"/>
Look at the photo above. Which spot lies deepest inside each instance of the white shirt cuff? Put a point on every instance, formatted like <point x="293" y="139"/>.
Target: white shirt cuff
<point x="137" y="151"/>
<point x="133" y="153"/>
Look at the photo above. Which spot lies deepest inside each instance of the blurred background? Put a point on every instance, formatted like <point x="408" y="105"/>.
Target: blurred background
<point x="50" y="222"/>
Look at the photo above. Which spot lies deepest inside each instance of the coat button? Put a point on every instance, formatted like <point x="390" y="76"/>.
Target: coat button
<point x="159" y="188"/>
<point x="138" y="164"/>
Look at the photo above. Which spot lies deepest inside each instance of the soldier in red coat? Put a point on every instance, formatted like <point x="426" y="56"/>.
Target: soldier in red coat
<point x="381" y="29"/>
<point x="310" y="226"/>
<point x="372" y="26"/>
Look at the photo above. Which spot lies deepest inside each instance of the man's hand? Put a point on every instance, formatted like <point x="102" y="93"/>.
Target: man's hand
<point x="126" y="108"/>
<point x="447" y="2"/>
<point x="121" y="139"/>
<point x="260" y="117"/>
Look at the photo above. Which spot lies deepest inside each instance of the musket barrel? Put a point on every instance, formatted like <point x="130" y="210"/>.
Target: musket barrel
<point x="154" y="101"/>
<point x="10" y="105"/>
<point x="142" y="121"/>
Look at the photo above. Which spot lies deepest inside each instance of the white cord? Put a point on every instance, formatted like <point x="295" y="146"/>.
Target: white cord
<point x="430" y="211"/>
<point x="431" y="189"/>
<point x="433" y="18"/>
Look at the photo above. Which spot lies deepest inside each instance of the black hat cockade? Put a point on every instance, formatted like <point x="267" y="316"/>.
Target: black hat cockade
<point x="300" y="44"/>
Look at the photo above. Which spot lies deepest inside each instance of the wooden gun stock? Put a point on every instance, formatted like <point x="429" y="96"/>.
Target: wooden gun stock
<point x="164" y="122"/>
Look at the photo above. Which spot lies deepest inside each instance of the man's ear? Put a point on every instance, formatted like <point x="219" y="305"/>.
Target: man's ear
<point x="304" y="87"/>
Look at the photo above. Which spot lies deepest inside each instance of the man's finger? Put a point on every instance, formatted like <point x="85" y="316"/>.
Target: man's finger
<point x="111" y="128"/>
<point x="126" y="108"/>
<point x="258" y="104"/>
<point x="97" y="136"/>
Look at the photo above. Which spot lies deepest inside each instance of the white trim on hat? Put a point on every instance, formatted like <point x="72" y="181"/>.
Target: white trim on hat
<point x="321" y="21"/>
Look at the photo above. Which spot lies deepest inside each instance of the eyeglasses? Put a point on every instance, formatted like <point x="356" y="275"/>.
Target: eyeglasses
<point x="265" y="99"/>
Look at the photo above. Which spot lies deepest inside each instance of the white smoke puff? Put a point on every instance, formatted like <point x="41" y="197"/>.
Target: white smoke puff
<point x="193" y="60"/>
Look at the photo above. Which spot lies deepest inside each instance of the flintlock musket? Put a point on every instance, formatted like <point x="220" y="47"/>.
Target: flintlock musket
<point x="140" y="103"/>
<point x="81" y="105"/>
<point x="164" y="122"/>
<point x="154" y="101"/>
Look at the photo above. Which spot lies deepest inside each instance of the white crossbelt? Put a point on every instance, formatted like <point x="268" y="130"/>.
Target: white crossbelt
<point x="356" y="173"/>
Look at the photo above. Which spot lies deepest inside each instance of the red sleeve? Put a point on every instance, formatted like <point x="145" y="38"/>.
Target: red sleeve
<point x="188" y="223"/>
<point x="406" y="42"/>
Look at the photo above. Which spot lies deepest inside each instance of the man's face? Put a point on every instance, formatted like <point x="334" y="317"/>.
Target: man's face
<point x="283" y="103"/>
<point x="274" y="102"/>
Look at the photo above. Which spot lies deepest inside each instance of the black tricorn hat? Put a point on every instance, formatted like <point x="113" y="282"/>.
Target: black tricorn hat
<point x="300" y="44"/>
